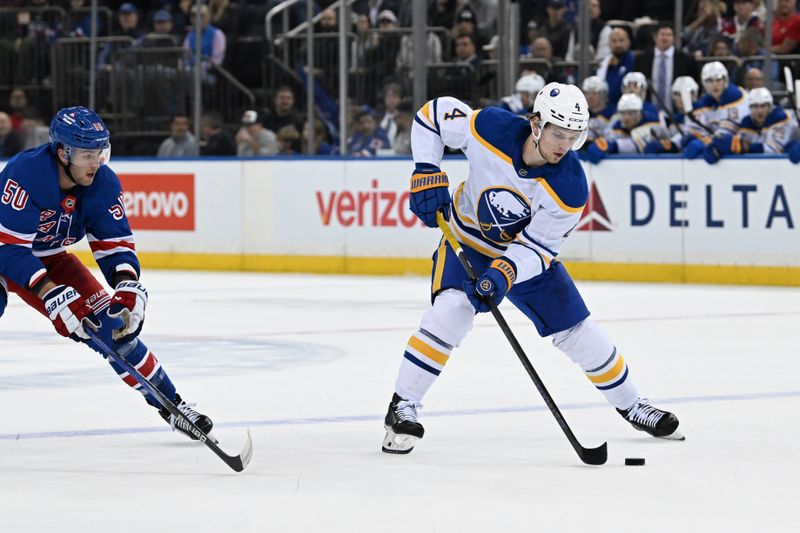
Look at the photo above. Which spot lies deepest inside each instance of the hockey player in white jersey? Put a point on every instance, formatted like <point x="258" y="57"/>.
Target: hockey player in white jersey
<point x="524" y="195"/>
<point x="521" y="102"/>
<point x="629" y="134"/>
<point x="767" y="129"/>
<point x="636" y="83"/>
<point x="601" y="111"/>
<point x="669" y="140"/>
<point x="719" y="110"/>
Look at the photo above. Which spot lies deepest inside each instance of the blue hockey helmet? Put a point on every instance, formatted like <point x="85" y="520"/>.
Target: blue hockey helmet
<point x="82" y="134"/>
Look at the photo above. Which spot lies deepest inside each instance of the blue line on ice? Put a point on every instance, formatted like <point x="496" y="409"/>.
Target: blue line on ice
<point x="373" y="417"/>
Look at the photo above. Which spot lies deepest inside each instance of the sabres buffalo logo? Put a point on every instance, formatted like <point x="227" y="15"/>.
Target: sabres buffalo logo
<point x="502" y="213"/>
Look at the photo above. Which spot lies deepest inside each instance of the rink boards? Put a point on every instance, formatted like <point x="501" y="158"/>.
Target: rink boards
<point x="658" y="219"/>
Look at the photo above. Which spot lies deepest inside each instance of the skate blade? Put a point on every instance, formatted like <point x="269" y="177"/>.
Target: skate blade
<point x="398" y="443"/>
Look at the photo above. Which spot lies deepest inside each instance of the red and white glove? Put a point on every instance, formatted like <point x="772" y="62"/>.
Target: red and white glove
<point x="128" y="304"/>
<point x="67" y="309"/>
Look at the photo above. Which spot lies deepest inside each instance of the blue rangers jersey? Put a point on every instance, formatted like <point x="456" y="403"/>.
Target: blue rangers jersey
<point x="771" y="136"/>
<point x="504" y="207"/>
<point x="39" y="219"/>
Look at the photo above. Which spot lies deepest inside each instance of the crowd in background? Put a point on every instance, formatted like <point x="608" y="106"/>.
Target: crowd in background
<point x="635" y="94"/>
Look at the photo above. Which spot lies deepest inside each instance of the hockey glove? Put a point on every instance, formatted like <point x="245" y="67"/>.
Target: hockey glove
<point x="128" y="304"/>
<point x="694" y="149"/>
<point x="492" y="285"/>
<point x="67" y="309"/>
<point x="599" y="149"/>
<point x="429" y="193"/>
<point x="711" y="154"/>
<point x="793" y="149"/>
<point x="3" y="295"/>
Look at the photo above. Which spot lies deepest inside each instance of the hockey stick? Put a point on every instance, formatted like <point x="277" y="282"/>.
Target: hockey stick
<point x="793" y="88"/>
<point x="237" y="462"/>
<point x="590" y="456"/>
<point x="686" y="98"/>
<point x="663" y="105"/>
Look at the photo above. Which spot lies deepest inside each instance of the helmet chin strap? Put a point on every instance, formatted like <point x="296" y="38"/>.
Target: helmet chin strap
<point x="66" y="168"/>
<point x="536" y="140"/>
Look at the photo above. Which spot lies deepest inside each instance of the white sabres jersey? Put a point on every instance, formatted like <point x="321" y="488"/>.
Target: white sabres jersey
<point x="504" y="208"/>
<point x="777" y="130"/>
<point x="720" y="116"/>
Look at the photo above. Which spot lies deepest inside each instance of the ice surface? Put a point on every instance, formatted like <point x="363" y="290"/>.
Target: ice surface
<point x="308" y="364"/>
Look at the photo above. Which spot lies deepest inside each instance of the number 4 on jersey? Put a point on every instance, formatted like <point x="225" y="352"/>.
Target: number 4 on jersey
<point x="455" y="113"/>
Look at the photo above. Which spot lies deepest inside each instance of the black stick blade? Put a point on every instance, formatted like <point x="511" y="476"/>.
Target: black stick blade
<point x="594" y="456"/>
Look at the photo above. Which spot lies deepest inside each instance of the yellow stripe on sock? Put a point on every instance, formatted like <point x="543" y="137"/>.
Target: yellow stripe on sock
<point x="428" y="351"/>
<point x="615" y="371"/>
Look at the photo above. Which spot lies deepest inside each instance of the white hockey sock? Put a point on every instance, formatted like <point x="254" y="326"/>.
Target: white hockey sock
<point x="588" y="345"/>
<point x="423" y="361"/>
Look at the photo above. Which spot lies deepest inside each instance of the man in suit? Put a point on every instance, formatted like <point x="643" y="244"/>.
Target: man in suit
<point x="663" y="63"/>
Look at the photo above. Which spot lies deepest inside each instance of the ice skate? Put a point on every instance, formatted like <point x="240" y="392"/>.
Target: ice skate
<point x="652" y="420"/>
<point x="402" y="429"/>
<point x="200" y="420"/>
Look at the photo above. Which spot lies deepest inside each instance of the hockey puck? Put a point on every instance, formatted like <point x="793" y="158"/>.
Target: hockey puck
<point x="634" y="461"/>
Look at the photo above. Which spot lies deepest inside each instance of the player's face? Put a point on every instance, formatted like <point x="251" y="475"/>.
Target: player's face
<point x="634" y="88"/>
<point x="629" y="119"/>
<point x="759" y="112"/>
<point x="594" y="99"/>
<point x="84" y="164"/>
<point x="555" y="142"/>
<point x="715" y="87"/>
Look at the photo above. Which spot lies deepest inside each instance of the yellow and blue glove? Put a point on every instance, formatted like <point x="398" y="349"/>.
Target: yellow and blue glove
<point x="600" y="148"/>
<point x="492" y="286"/>
<point x="429" y="193"/>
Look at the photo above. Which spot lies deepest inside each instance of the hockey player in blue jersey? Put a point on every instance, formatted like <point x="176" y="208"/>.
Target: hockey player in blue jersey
<point x="767" y="129"/>
<point x="524" y="195"/>
<point x="53" y="196"/>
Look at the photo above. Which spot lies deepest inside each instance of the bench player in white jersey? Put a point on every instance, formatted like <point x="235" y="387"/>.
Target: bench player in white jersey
<point x="601" y="111"/>
<point x="669" y="140"/>
<point x="524" y="195"/>
<point x="629" y="134"/>
<point x="720" y="109"/>
<point x="767" y="129"/>
<point x="526" y="89"/>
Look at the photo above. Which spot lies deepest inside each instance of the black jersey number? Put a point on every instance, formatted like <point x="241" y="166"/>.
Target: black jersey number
<point x="455" y="113"/>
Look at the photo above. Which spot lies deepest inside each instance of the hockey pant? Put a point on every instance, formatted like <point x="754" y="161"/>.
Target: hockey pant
<point x="551" y="301"/>
<point x="66" y="269"/>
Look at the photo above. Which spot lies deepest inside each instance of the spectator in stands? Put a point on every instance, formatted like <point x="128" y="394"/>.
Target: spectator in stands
<point x="283" y="112"/>
<point x="18" y="107"/>
<point x="368" y="137"/>
<point x="32" y="36"/>
<point x="785" y="27"/>
<point x="253" y="139"/>
<point x="442" y="13"/>
<point x="556" y="29"/>
<point x="288" y="140"/>
<point x="373" y="8"/>
<point x="322" y="142"/>
<point x="162" y="34"/>
<point x="405" y="119"/>
<point x="753" y="78"/>
<point x="601" y="32"/>
<point x="699" y="33"/>
<point x="541" y="49"/>
<point x="223" y="17"/>
<point x="384" y="62"/>
<point x="486" y="15"/>
<point x="719" y="47"/>
<point x="406" y="56"/>
<point x="532" y="32"/>
<point x="10" y="141"/>
<point x="663" y="63"/>
<point x="80" y="20"/>
<point x="744" y="17"/>
<point x="34" y="132"/>
<point x="392" y="94"/>
<point x="181" y="142"/>
<point x="466" y="23"/>
<point x="614" y="67"/>
<point x="215" y="140"/>
<point x="212" y="41"/>
<point x="128" y="22"/>
<point x="750" y="43"/>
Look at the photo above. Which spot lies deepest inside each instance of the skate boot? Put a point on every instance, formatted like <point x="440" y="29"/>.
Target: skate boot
<point x="402" y="429"/>
<point x="652" y="420"/>
<point x="200" y="420"/>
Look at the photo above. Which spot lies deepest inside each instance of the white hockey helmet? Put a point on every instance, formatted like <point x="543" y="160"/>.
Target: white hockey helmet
<point x="565" y="106"/>
<point x="529" y="83"/>
<point x="713" y="71"/>
<point x="629" y="102"/>
<point x="759" y="95"/>
<point x="595" y="84"/>
<point x="685" y="82"/>
<point x="635" y="78"/>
